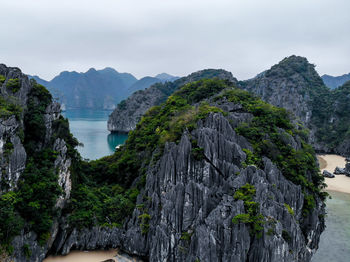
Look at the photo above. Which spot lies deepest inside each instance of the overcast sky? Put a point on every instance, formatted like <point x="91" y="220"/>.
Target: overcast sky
<point x="147" y="37"/>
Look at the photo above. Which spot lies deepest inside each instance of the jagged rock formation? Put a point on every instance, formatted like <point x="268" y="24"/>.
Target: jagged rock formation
<point x="187" y="208"/>
<point x="335" y="81"/>
<point x="289" y="84"/>
<point x="200" y="178"/>
<point x="129" y="112"/>
<point x="20" y="104"/>
<point x="295" y="85"/>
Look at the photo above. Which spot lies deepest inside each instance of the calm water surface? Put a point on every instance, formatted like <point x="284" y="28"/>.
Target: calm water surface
<point x="335" y="240"/>
<point x="90" y="128"/>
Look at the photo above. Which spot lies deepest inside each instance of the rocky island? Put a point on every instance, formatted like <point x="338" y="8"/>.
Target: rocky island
<point x="212" y="173"/>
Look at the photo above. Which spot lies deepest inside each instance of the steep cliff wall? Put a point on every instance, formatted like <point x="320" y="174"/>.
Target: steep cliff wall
<point x="35" y="166"/>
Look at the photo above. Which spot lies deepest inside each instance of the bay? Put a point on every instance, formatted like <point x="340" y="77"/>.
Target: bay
<point x="90" y="128"/>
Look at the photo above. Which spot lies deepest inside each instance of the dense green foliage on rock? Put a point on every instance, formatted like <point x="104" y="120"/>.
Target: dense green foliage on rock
<point x="32" y="204"/>
<point x="252" y="216"/>
<point x="9" y="107"/>
<point x="269" y="133"/>
<point x="13" y="84"/>
<point x="332" y="116"/>
<point x="161" y="124"/>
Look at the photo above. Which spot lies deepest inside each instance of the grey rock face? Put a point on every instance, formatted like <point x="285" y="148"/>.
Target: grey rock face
<point x="191" y="205"/>
<point x="339" y="171"/>
<point x="13" y="158"/>
<point x="285" y="85"/>
<point x="129" y="112"/>
<point x="328" y="174"/>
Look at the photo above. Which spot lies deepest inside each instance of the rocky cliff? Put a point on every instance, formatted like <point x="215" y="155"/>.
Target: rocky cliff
<point x="129" y="112"/>
<point x="295" y="85"/>
<point x="222" y="176"/>
<point x="35" y="166"/>
<point x="212" y="174"/>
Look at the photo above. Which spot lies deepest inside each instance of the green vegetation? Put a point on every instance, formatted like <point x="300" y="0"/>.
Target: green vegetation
<point x="286" y="236"/>
<point x="8" y="107"/>
<point x="26" y="250"/>
<point x="251" y="158"/>
<point x="290" y="210"/>
<point x="331" y="115"/>
<point x="10" y="221"/>
<point x="8" y="148"/>
<point x="14" y="85"/>
<point x="144" y="225"/>
<point x="2" y="79"/>
<point x="253" y="218"/>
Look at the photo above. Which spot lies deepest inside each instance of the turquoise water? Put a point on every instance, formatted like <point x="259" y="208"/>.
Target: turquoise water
<point x="335" y="240"/>
<point x="90" y="128"/>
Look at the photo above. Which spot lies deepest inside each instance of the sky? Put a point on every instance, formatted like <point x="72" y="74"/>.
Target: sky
<point x="147" y="37"/>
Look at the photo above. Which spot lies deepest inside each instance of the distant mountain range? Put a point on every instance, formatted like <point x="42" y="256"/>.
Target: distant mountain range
<point x="335" y="81"/>
<point x="97" y="89"/>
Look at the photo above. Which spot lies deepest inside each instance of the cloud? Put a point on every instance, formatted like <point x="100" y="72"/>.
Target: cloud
<point x="179" y="37"/>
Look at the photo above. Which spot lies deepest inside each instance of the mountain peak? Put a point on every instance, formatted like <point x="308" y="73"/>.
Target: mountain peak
<point x="109" y="70"/>
<point x="166" y="77"/>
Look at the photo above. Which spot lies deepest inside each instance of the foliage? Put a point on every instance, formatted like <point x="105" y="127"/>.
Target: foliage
<point x="290" y="210"/>
<point x="14" y="85"/>
<point x="9" y="107"/>
<point x="286" y="236"/>
<point x="11" y="222"/>
<point x="251" y="158"/>
<point x="26" y="250"/>
<point x="38" y="191"/>
<point x="2" y="79"/>
<point x="8" y="148"/>
<point x="144" y="225"/>
<point x="106" y="205"/>
<point x="253" y="218"/>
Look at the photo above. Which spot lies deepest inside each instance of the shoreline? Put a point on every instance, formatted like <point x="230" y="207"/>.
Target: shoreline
<point x="340" y="183"/>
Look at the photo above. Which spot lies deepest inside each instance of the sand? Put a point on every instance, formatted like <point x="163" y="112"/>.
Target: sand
<point x="84" y="256"/>
<point x="340" y="183"/>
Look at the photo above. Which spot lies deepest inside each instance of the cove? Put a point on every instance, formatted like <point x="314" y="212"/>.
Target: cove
<point x="90" y="128"/>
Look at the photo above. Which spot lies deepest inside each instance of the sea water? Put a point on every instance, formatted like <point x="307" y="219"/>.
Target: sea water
<point x="335" y="240"/>
<point x="90" y="128"/>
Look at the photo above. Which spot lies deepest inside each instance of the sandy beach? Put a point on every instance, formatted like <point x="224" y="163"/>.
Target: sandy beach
<point x="340" y="183"/>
